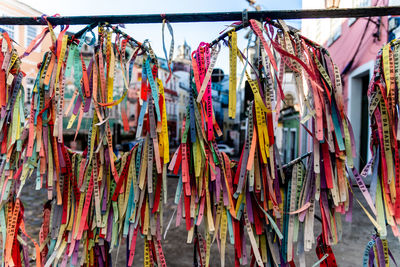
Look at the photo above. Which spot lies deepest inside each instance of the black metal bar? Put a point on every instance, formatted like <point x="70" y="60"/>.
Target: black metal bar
<point x="116" y="30"/>
<point x="225" y="34"/>
<point x="208" y="17"/>
<point x="244" y="25"/>
<point x="296" y="160"/>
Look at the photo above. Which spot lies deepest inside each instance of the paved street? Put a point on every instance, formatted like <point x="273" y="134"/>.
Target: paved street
<point x="348" y="252"/>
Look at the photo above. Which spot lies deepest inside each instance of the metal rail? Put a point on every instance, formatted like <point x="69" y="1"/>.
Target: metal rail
<point x="208" y="17"/>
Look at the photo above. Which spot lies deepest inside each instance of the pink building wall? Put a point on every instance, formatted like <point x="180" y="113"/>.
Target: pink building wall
<point x="355" y="80"/>
<point x="343" y="49"/>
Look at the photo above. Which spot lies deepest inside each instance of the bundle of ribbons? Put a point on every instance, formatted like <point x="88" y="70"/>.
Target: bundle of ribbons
<point x="377" y="252"/>
<point x="15" y="250"/>
<point x="254" y="195"/>
<point x="96" y="198"/>
<point x="383" y="99"/>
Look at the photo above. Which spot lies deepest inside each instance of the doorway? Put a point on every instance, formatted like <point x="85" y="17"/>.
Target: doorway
<point x="358" y="112"/>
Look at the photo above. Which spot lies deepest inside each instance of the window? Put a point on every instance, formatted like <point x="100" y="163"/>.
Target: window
<point x="293" y="143"/>
<point x="361" y="3"/>
<point x="187" y="52"/>
<point x="10" y="29"/>
<point x="357" y="4"/>
<point x="31" y="33"/>
<point x="289" y="144"/>
<point x="351" y="21"/>
<point x="285" y="145"/>
<point x="335" y="31"/>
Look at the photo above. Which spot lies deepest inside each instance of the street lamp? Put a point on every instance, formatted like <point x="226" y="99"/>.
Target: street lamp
<point x="332" y="3"/>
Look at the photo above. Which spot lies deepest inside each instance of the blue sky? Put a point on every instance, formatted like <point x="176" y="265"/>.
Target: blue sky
<point x="193" y="33"/>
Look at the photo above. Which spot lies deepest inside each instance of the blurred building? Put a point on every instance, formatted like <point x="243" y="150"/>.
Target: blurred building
<point x="171" y="98"/>
<point x="23" y="35"/>
<point x="353" y="45"/>
<point x="220" y="96"/>
<point x="114" y="116"/>
<point x="288" y="133"/>
<point x="181" y="68"/>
